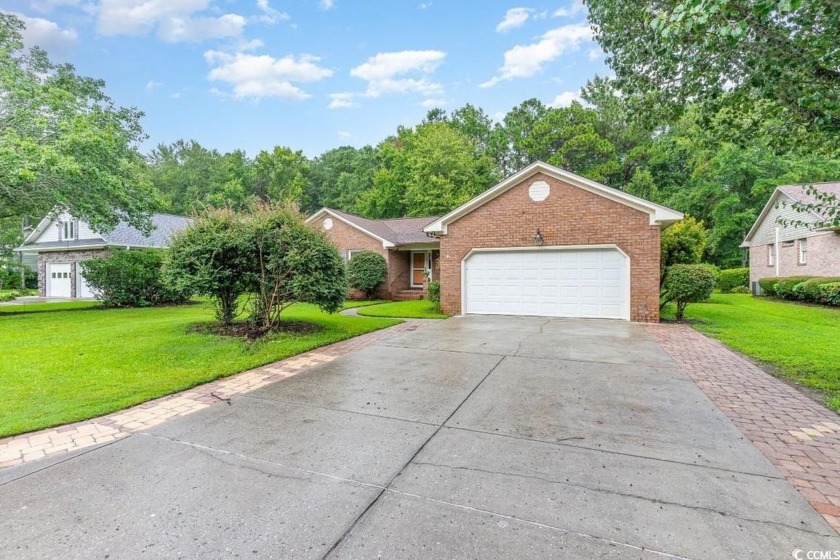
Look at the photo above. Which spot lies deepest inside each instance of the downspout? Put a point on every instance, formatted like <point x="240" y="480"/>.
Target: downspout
<point x="776" y="251"/>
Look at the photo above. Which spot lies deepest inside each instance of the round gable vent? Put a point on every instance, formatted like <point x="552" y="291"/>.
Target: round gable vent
<point x="538" y="191"/>
<point x="328" y="223"/>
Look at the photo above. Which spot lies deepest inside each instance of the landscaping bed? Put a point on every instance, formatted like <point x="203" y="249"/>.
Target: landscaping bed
<point x="72" y="364"/>
<point x="798" y="342"/>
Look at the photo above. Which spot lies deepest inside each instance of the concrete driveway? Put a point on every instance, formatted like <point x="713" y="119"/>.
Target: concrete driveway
<point x="476" y="437"/>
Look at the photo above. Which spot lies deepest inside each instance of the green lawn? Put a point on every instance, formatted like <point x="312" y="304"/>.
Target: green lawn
<point x="415" y="309"/>
<point x="65" y="366"/>
<point x="802" y="342"/>
<point x="15" y="308"/>
<point x="353" y="303"/>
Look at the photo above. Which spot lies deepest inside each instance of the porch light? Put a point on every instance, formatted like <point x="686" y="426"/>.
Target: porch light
<point x="538" y="239"/>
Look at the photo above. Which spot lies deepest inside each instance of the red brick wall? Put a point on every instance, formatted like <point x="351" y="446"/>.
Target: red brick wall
<point x="569" y="216"/>
<point x="346" y="238"/>
<point x="823" y="258"/>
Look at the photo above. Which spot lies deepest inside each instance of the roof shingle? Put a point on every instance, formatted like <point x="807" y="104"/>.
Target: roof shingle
<point x="399" y="231"/>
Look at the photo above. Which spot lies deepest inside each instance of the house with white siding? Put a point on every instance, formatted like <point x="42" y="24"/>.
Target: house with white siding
<point x="61" y="242"/>
<point x="805" y="249"/>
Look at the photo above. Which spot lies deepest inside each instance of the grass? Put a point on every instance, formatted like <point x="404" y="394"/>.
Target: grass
<point x="354" y="303"/>
<point x="414" y="309"/>
<point x="70" y="365"/>
<point x="799" y="342"/>
<point x="15" y="308"/>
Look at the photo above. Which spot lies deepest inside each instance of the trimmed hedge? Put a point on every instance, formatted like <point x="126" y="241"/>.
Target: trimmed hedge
<point x="732" y="278"/>
<point x="131" y="279"/>
<point x="811" y="289"/>
<point x="366" y="271"/>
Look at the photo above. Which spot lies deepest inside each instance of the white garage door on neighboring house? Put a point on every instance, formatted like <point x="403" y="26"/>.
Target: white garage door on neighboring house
<point x="59" y="280"/>
<point x="82" y="289"/>
<point x="587" y="282"/>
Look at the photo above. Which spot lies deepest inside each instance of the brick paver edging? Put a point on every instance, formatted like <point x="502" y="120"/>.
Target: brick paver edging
<point x="71" y="437"/>
<point x="799" y="436"/>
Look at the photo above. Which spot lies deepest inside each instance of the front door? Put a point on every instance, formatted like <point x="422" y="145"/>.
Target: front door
<point x="420" y="263"/>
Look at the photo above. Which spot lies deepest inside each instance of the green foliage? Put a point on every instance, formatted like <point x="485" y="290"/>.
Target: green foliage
<point x="740" y="290"/>
<point x="131" y="279"/>
<point x="803" y="288"/>
<point x="726" y="51"/>
<point x="683" y="243"/>
<point x="687" y="283"/>
<point x="426" y="171"/>
<point x="434" y="294"/>
<point x="64" y="143"/>
<point x="732" y="278"/>
<point x="211" y="258"/>
<point x="829" y="293"/>
<point x="290" y="263"/>
<point x="366" y="271"/>
<point x="265" y="250"/>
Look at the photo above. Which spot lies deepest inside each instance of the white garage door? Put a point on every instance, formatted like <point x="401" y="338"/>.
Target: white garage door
<point x="83" y="289"/>
<point x="58" y="280"/>
<point x="588" y="283"/>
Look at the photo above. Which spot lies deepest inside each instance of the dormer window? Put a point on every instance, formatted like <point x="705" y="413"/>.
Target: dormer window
<point x="68" y="230"/>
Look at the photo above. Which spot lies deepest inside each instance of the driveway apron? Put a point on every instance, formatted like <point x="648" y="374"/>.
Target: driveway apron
<point x="475" y="437"/>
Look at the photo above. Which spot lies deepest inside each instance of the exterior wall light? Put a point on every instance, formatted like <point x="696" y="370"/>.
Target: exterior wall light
<point x="538" y="239"/>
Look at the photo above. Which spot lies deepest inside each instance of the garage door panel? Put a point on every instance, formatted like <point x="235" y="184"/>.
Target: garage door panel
<point x="566" y="283"/>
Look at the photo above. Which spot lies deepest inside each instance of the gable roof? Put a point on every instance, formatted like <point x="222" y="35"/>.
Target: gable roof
<point x="796" y="193"/>
<point x="164" y="226"/>
<point x="391" y="232"/>
<point x="659" y="215"/>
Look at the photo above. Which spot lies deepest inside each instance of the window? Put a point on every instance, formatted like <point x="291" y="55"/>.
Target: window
<point x="68" y="230"/>
<point x="351" y="251"/>
<point x="803" y="251"/>
<point x="771" y="255"/>
<point x="788" y="243"/>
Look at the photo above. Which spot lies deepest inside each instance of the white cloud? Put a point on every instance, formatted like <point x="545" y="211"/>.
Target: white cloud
<point x="576" y="8"/>
<point x="565" y="99"/>
<point x="152" y="85"/>
<point x="385" y="72"/>
<point x="432" y="103"/>
<point x="48" y="35"/>
<point x="524" y="61"/>
<point x="343" y="100"/>
<point x="47" y="6"/>
<point x="326" y="4"/>
<point x="174" y="20"/>
<point x="257" y="76"/>
<point x="424" y="6"/>
<point x="594" y="54"/>
<point x="270" y="15"/>
<point x="514" y="17"/>
<point x="344" y="134"/>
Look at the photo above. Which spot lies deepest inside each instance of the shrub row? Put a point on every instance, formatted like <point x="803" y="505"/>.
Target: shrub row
<point x="131" y="279"/>
<point x="734" y="280"/>
<point x="803" y="288"/>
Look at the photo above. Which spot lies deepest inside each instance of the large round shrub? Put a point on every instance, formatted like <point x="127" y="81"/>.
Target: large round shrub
<point x="366" y="271"/>
<point x="829" y="294"/>
<point x="732" y="278"/>
<point x="132" y="278"/>
<point x="687" y="283"/>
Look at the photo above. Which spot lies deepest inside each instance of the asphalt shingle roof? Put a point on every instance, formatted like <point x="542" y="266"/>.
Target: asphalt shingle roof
<point x="164" y="227"/>
<point x="399" y="231"/>
<point x="798" y="192"/>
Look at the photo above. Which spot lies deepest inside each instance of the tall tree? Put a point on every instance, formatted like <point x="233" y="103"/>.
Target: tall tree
<point x="281" y="175"/>
<point x="64" y="143"/>
<point x="676" y="51"/>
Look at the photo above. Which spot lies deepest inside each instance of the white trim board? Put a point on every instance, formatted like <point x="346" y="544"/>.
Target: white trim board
<point x="659" y="215"/>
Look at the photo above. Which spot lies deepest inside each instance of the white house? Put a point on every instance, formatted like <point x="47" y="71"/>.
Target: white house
<point x="61" y="242"/>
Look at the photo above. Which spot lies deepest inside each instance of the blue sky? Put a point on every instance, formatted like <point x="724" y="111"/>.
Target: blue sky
<point x="314" y="74"/>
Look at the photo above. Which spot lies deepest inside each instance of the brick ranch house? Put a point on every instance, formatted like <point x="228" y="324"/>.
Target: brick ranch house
<point x="805" y="250"/>
<point x="542" y="242"/>
<point x="61" y="242"/>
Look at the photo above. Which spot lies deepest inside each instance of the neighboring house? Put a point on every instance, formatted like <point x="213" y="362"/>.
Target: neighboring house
<point x="543" y="242"/>
<point x="805" y="250"/>
<point x="410" y="254"/>
<point x="61" y="242"/>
